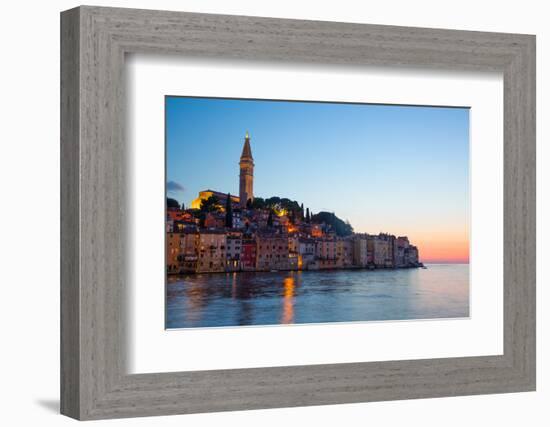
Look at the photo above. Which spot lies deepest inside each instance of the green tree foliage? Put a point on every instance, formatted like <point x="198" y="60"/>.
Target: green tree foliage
<point x="302" y="211"/>
<point x="172" y="203"/>
<point x="212" y="204"/>
<point x="258" y="203"/>
<point x="340" y="227"/>
<point x="228" y="212"/>
<point x="292" y="217"/>
<point x="277" y="203"/>
<point x="281" y="203"/>
<point x="270" y="219"/>
<point x="308" y="216"/>
<point x="202" y="219"/>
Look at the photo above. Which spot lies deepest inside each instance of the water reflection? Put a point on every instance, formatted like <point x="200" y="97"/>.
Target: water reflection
<point x="234" y="299"/>
<point x="288" y="301"/>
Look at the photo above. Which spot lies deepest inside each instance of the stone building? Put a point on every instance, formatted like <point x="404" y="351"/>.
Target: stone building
<point x="272" y="252"/>
<point x="246" y="182"/>
<point x="293" y="253"/>
<point x="214" y="220"/>
<point x="173" y="248"/>
<point x="325" y="252"/>
<point x="203" y="244"/>
<point x="411" y="256"/>
<point x="237" y="218"/>
<point x="344" y="253"/>
<point x="234" y="241"/>
<point x="248" y="254"/>
<point x="211" y="248"/>
<point x="306" y="253"/>
<point x="188" y="254"/>
<point x="383" y="250"/>
<point x="246" y="176"/>
<point x="401" y="245"/>
<point x="360" y="250"/>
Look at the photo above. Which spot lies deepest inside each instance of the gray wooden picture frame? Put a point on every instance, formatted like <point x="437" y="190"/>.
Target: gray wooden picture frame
<point x="94" y="41"/>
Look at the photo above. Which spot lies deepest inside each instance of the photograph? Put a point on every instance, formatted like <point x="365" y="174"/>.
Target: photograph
<point x="285" y="212"/>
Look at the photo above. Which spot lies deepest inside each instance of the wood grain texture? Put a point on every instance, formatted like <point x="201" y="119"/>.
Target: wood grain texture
<point x="70" y="297"/>
<point x="94" y="238"/>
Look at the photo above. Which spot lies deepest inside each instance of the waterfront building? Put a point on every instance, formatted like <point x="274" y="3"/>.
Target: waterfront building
<point x="325" y="252"/>
<point x="360" y="250"/>
<point x="246" y="176"/>
<point x="411" y="256"/>
<point x="293" y="243"/>
<point x="293" y="255"/>
<point x="401" y="245"/>
<point x="390" y="260"/>
<point x="272" y="252"/>
<point x="233" y="251"/>
<point x="211" y="247"/>
<point x="306" y="253"/>
<point x="293" y="261"/>
<point x="203" y="244"/>
<point x="173" y="247"/>
<point x="383" y="250"/>
<point x="188" y="254"/>
<point x="344" y="253"/>
<point x="248" y="254"/>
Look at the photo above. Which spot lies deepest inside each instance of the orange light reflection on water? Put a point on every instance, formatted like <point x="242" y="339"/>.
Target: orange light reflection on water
<point x="288" y="300"/>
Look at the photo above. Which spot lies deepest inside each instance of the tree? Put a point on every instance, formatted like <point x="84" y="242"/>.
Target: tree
<point x="281" y="204"/>
<point x="202" y="219"/>
<point x="302" y="211"/>
<point x="308" y="216"/>
<point x="292" y="217"/>
<point x="270" y="219"/>
<point x="212" y="204"/>
<point x="258" y="203"/>
<point x="172" y="203"/>
<point x="228" y="212"/>
<point x="340" y="227"/>
<point x="249" y="204"/>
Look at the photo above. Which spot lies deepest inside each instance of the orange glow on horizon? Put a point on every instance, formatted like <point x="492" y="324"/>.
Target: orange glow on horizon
<point x="438" y="240"/>
<point x="442" y="247"/>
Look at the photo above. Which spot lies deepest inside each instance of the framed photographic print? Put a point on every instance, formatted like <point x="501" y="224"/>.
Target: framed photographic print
<point x="280" y="262"/>
<point x="263" y="213"/>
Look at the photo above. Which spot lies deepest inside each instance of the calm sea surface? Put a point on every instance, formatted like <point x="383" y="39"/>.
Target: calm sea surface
<point x="234" y="299"/>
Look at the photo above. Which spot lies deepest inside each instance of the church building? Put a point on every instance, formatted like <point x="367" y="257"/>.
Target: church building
<point x="246" y="177"/>
<point x="246" y="181"/>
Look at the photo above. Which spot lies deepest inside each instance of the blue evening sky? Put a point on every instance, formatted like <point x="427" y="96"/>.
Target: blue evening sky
<point x="400" y="169"/>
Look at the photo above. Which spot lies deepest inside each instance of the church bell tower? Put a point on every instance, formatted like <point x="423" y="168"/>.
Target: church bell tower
<point x="246" y="177"/>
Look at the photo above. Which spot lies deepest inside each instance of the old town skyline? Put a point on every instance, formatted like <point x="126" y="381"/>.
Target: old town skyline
<point x="391" y="211"/>
<point x="224" y="233"/>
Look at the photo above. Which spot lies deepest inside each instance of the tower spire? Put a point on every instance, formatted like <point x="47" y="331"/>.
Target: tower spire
<point x="246" y="176"/>
<point x="247" y="151"/>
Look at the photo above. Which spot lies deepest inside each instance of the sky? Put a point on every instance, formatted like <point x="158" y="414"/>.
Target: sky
<point x="403" y="170"/>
